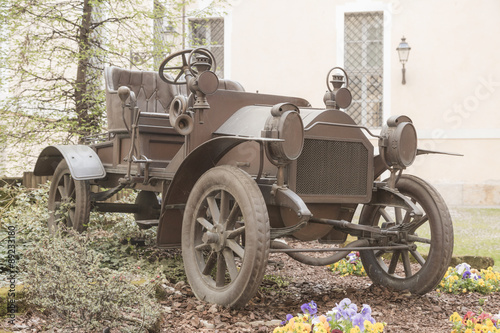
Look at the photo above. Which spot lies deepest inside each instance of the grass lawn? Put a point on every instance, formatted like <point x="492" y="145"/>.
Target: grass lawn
<point x="477" y="232"/>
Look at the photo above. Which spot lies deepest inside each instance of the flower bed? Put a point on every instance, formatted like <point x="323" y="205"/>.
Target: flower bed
<point x="485" y="322"/>
<point x="463" y="279"/>
<point x="351" y="265"/>
<point x="345" y="318"/>
<point x="342" y="318"/>
<point x="459" y="279"/>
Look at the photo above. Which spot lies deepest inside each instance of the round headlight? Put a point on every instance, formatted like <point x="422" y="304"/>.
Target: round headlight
<point x="289" y="128"/>
<point x="401" y="145"/>
<point x="207" y="82"/>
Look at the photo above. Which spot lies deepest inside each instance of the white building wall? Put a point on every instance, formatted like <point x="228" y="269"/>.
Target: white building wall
<point x="453" y="74"/>
<point x="453" y="94"/>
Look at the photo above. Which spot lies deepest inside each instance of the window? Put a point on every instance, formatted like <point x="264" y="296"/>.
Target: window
<point x="209" y="33"/>
<point x="364" y="63"/>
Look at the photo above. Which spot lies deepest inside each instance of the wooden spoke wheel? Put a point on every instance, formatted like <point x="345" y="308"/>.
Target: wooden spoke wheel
<point x="225" y="237"/>
<point x="69" y="200"/>
<point x="420" y="270"/>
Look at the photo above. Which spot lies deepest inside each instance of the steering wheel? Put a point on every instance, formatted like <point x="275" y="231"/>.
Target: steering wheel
<point x="188" y="63"/>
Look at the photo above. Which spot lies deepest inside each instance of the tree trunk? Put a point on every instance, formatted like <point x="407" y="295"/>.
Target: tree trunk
<point x="84" y="119"/>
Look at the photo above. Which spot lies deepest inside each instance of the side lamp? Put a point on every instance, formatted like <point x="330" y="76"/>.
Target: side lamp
<point x="403" y="52"/>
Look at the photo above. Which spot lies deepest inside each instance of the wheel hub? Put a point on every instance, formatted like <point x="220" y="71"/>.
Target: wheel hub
<point x="210" y="237"/>
<point x="216" y="238"/>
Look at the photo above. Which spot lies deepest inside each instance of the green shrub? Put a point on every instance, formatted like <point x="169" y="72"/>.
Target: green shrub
<point x="82" y="282"/>
<point x="67" y="281"/>
<point x="26" y="212"/>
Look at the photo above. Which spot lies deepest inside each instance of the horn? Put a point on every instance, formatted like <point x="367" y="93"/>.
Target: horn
<point x="177" y="108"/>
<point x="184" y="124"/>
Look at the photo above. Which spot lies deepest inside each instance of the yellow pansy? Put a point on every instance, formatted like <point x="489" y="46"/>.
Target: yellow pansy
<point x="455" y="317"/>
<point x="379" y="327"/>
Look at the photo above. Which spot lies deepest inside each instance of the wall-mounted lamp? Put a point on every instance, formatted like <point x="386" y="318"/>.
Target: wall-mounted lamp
<point x="403" y="51"/>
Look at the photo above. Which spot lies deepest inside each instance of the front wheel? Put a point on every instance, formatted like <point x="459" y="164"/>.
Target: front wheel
<point x="225" y="237"/>
<point x="420" y="270"/>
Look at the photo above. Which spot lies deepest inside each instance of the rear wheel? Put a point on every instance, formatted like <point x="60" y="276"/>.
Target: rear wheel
<point x="420" y="270"/>
<point x="69" y="200"/>
<point x="225" y="237"/>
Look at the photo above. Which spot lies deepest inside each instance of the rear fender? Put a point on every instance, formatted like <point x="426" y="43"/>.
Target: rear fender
<point x="83" y="162"/>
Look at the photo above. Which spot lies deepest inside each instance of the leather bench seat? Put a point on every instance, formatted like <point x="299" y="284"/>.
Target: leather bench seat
<point x="154" y="97"/>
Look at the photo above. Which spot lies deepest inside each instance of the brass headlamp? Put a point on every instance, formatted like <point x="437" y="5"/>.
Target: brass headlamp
<point x="398" y="142"/>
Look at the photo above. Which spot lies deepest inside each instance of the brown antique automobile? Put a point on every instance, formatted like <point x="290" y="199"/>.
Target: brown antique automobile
<point x="229" y="176"/>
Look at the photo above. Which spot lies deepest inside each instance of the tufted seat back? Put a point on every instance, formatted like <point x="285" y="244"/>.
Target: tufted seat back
<point x="153" y="94"/>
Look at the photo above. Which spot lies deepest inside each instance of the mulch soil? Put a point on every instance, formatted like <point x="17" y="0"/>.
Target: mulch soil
<point x="402" y="311"/>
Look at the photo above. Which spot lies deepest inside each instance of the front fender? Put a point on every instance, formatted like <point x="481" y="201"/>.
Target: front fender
<point x="426" y="151"/>
<point x="380" y="166"/>
<point x="83" y="162"/>
<point x="200" y="160"/>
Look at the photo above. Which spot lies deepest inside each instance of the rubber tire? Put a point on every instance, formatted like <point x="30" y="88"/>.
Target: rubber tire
<point x="441" y="247"/>
<point x="246" y="193"/>
<point x="62" y="182"/>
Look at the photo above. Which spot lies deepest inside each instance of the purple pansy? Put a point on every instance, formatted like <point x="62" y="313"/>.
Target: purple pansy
<point x="345" y="309"/>
<point x="309" y="308"/>
<point x="288" y="317"/>
<point x="366" y="310"/>
<point x="365" y="314"/>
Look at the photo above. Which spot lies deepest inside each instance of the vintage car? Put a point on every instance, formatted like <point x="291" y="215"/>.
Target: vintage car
<point x="229" y="176"/>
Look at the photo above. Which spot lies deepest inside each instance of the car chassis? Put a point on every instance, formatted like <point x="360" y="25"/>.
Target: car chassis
<point x="227" y="175"/>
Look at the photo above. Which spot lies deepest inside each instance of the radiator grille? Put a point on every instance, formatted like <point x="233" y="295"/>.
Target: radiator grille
<point x="328" y="167"/>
